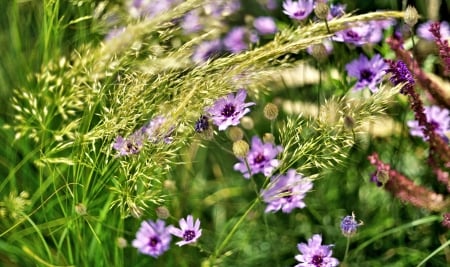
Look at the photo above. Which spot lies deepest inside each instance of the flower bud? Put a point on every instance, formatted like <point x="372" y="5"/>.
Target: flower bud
<point x="268" y="138"/>
<point x="80" y="209"/>
<point x="247" y="123"/>
<point x="121" y="242"/>
<point x="271" y="111"/>
<point x="349" y="225"/>
<point x="162" y="212"/>
<point x="235" y="133"/>
<point x="321" y="10"/>
<point x="411" y="16"/>
<point x="319" y="51"/>
<point x="240" y="148"/>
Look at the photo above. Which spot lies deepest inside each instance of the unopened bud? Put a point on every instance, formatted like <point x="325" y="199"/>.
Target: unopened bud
<point x="319" y="51"/>
<point x="121" y="242"/>
<point x="235" y="133"/>
<point x="271" y="111"/>
<point x="247" y="123"/>
<point x="240" y="148"/>
<point x="162" y="212"/>
<point x="269" y="138"/>
<point x="321" y="10"/>
<point x="80" y="209"/>
<point x="411" y="16"/>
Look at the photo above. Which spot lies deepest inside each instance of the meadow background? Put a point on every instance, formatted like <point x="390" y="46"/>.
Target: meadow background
<point x="68" y="199"/>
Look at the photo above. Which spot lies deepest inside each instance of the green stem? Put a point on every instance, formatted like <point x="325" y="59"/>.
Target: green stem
<point x="234" y="229"/>
<point x="346" y="249"/>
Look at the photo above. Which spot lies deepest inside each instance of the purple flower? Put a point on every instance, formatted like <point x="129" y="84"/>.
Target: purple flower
<point x="286" y="192"/>
<point x="368" y="72"/>
<point x="237" y="39"/>
<point x="188" y="231"/>
<point x="336" y="11"/>
<point x="265" y="25"/>
<point x="130" y="145"/>
<point x="436" y="116"/>
<point x="191" y="22"/>
<point x="260" y="159"/>
<point x="202" y="124"/>
<point x="116" y="32"/>
<point x="148" y="8"/>
<point x="153" y="238"/>
<point x="298" y="10"/>
<point x="271" y="4"/>
<point x="357" y="35"/>
<point x="349" y="225"/>
<point x="423" y="30"/>
<point x="156" y="130"/>
<point x="222" y="8"/>
<point x="207" y="50"/>
<point x="228" y="110"/>
<point x="314" y="254"/>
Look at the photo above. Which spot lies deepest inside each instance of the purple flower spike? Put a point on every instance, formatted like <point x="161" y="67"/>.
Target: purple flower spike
<point x="298" y="10"/>
<point x="153" y="238"/>
<point x="188" y="231"/>
<point x="227" y="111"/>
<point x="130" y="145"/>
<point x="265" y="25"/>
<point x="286" y="192"/>
<point x="400" y="74"/>
<point x="436" y="116"/>
<point x="314" y="254"/>
<point x="368" y="72"/>
<point x="260" y="159"/>
<point x="423" y="30"/>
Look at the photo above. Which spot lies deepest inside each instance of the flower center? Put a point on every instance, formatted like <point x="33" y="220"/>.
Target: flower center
<point x="228" y="110"/>
<point x="317" y="260"/>
<point x="299" y="13"/>
<point x="287" y="194"/>
<point x="353" y="35"/>
<point x="366" y="75"/>
<point x="188" y="235"/>
<point x="259" y="158"/>
<point x="153" y="241"/>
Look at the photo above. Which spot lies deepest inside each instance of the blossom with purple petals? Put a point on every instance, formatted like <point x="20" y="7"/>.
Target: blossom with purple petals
<point x="238" y="38"/>
<point x="149" y="8"/>
<point x="314" y="254"/>
<point x="202" y="124"/>
<point x="260" y="159"/>
<point x="436" y="116"/>
<point x="156" y="130"/>
<point x="368" y="72"/>
<point x="228" y="110"/>
<point x="130" y="145"/>
<point x="207" y="50"/>
<point x="191" y="22"/>
<point x="153" y="238"/>
<point x="298" y="10"/>
<point x="336" y="11"/>
<point x="189" y="230"/>
<point x="222" y="8"/>
<point x="265" y="25"/>
<point x="400" y="74"/>
<point x="349" y="225"/>
<point x="286" y="192"/>
<point x="357" y="35"/>
<point x="423" y="30"/>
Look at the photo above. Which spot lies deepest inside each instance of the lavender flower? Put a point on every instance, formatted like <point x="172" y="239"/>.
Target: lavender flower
<point x="368" y="72"/>
<point x="298" y="10"/>
<point x="260" y="159"/>
<point x="130" y="145"/>
<point x="436" y="116"/>
<point x="149" y="8"/>
<point x="336" y="11"/>
<point x="286" y="192"/>
<point x="265" y="25"/>
<point x="153" y="238"/>
<point x="207" y="50"/>
<point x="349" y="225"/>
<point x="314" y="254"/>
<point x="191" y="22"/>
<point x="188" y="231"/>
<point x="423" y="30"/>
<point x="156" y="130"/>
<point x="227" y="111"/>
<point x="271" y="4"/>
<point x="357" y="35"/>
<point x="237" y="39"/>
<point x="222" y="8"/>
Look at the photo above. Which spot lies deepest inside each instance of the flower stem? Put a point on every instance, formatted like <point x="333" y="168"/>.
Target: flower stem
<point x="346" y="249"/>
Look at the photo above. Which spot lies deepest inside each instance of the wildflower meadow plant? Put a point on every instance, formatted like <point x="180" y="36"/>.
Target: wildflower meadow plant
<point x="122" y="119"/>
